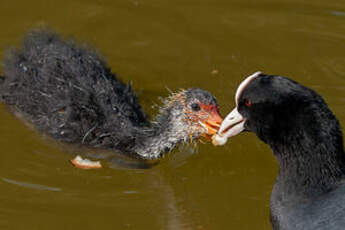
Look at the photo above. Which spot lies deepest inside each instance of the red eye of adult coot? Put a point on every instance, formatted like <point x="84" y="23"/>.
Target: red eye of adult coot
<point x="248" y="103"/>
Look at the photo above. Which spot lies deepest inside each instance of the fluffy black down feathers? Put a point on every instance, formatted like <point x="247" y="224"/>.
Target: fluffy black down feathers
<point x="67" y="91"/>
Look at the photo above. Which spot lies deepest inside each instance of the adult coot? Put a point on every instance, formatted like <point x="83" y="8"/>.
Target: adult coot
<point x="67" y="91"/>
<point x="307" y="141"/>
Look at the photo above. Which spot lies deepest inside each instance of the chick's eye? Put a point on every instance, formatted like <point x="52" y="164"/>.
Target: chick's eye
<point x="195" y="107"/>
<point x="248" y="103"/>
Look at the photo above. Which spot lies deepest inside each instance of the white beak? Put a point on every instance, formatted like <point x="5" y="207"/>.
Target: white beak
<point x="232" y="125"/>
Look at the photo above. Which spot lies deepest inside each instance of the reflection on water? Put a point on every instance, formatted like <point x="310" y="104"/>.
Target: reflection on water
<point x="159" y="45"/>
<point x="33" y="186"/>
<point x="338" y="13"/>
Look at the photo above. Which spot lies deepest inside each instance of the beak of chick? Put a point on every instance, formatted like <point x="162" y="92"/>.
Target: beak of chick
<point x="211" y="124"/>
<point x="233" y="124"/>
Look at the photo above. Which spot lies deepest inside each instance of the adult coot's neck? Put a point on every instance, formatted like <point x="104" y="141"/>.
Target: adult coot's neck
<point x="309" y="150"/>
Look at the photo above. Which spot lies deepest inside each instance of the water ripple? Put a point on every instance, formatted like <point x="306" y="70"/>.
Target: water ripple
<point x="338" y="13"/>
<point x="34" y="186"/>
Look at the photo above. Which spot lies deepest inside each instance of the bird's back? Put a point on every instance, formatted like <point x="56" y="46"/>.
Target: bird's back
<point x="67" y="91"/>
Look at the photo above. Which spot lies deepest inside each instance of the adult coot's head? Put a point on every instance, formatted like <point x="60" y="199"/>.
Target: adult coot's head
<point x="279" y="110"/>
<point x="306" y="139"/>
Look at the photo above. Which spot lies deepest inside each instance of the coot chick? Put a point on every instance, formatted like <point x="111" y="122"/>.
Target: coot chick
<point x="67" y="91"/>
<point x="307" y="141"/>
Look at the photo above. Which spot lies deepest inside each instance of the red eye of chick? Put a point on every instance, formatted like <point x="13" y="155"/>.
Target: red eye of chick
<point x="247" y="103"/>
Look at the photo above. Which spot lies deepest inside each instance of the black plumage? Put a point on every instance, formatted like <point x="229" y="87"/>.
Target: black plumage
<point x="67" y="91"/>
<point x="307" y="140"/>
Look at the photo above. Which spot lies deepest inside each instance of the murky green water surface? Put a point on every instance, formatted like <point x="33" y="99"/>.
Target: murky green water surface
<point x="212" y="44"/>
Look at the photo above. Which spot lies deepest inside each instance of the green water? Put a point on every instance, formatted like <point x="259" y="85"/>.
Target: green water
<point x="212" y="44"/>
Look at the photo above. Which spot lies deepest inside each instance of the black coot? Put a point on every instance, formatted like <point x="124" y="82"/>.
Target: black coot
<point x="67" y="91"/>
<point x="307" y="141"/>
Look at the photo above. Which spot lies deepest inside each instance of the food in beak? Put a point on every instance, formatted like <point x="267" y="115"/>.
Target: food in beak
<point x="232" y="125"/>
<point x="212" y="123"/>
